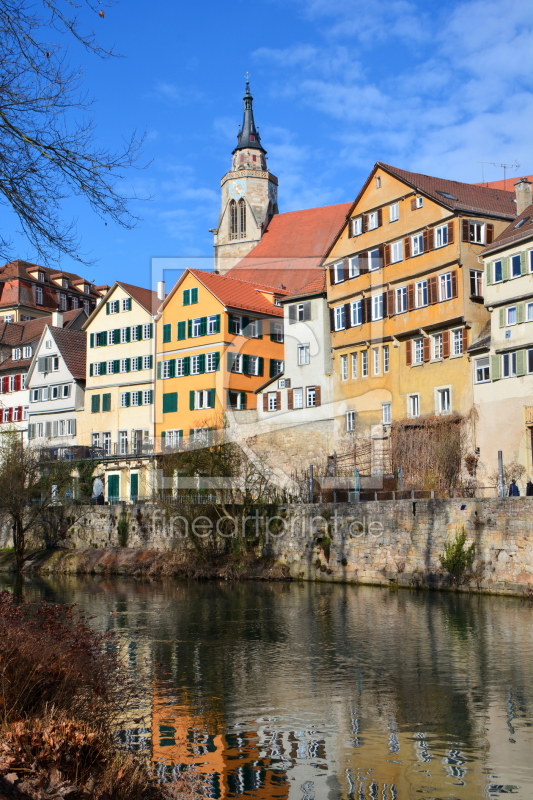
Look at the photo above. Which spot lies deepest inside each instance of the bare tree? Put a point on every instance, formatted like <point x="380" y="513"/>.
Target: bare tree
<point x="47" y="144"/>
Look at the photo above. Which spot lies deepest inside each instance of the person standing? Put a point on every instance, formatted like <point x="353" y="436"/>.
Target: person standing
<point x="514" y="491"/>
<point x="529" y="488"/>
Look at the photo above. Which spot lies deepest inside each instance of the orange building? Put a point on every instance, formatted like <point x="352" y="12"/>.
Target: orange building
<point x="405" y="290"/>
<point x="217" y="340"/>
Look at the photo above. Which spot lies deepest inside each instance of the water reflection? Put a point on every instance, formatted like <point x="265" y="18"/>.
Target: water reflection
<point x="311" y="692"/>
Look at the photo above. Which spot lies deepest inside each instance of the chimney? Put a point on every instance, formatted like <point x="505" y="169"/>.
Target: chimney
<point x="523" y="195"/>
<point x="57" y="319"/>
<point x="161" y="289"/>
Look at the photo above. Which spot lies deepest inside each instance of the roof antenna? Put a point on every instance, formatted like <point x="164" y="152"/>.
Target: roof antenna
<point x="505" y="167"/>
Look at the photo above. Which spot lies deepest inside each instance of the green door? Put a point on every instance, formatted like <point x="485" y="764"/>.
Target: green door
<point x="112" y="489"/>
<point x="134" y="487"/>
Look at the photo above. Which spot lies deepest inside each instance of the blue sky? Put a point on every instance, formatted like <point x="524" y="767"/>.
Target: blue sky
<point x="338" y="84"/>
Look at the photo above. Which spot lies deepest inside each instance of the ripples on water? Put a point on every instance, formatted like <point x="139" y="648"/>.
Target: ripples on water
<point x="310" y="692"/>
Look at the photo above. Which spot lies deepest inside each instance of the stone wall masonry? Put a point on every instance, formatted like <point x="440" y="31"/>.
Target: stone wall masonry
<point x="384" y="543"/>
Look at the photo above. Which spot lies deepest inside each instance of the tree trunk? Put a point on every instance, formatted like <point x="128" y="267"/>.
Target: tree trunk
<point x="19" y="543"/>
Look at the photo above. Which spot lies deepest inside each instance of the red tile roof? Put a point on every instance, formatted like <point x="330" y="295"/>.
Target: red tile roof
<point x="314" y="287"/>
<point x="21" y="269"/>
<point x="514" y="233"/>
<point x="73" y="347"/>
<point x="292" y="247"/>
<point x="240" y="294"/>
<point x="13" y="333"/>
<point x="146" y="297"/>
<point x="507" y="184"/>
<point x="467" y="197"/>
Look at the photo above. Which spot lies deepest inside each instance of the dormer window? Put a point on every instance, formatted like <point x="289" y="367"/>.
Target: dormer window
<point x="40" y="276"/>
<point x="64" y="283"/>
<point x="86" y="288"/>
<point x="16" y="354"/>
<point x="28" y="352"/>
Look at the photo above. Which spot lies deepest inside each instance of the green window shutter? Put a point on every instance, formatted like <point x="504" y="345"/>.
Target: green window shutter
<point x="246" y="364"/>
<point x="201" y="362"/>
<point x="134" y="486"/>
<point x="170" y="402"/>
<point x="128" y="304"/>
<point x="159" y="370"/>
<point x="151" y="396"/>
<point x="151" y="330"/>
<point x="203" y="326"/>
<point x="520" y="312"/>
<point x="139" y="332"/>
<point x="116" y="336"/>
<point x="150" y="362"/>
<point x="182" y="334"/>
<point x="95" y="404"/>
<point x="128" y="365"/>
<point x="167" y="332"/>
<point x="502" y="317"/>
<point x="172" y="368"/>
<point x="217" y="323"/>
<point x="187" y="365"/>
<point x="261" y="366"/>
<point x="113" y="489"/>
<point x="128" y="399"/>
<point x="189" y="328"/>
<point x="495" y="368"/>
<point x="211" y="398"/>
<point x="520" y="363"/>
<point x="107" y="308"/>
<point x="230" y="323"/>
<point x="194" y="295"/>
<point x="90" y="370"/>
<point x="139" y="398"/>
<point x="488" y="273"/>
<point x="116" y="366"/>
<point x="103" y="367"/>
<point x="243" y="399"/>
<point x="523" y="263"/>
<point x="259" y="328"/>
<point x="191" y="431"/>
<point x="91" y="340"/>
<point x="186" y="297"/>
<point x="272" y="368"/>
<point x="216" y="358"/>
<point x="106" y="402"/>
<point x="128" y="334"/>
<point x="245" y="323"/>
<point x="191" y="400"/>
<point x="505" y="269"/>
<point x="229" y="361"/>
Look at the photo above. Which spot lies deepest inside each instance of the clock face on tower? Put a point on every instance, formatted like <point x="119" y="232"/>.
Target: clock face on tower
<point x="237" y="189"/>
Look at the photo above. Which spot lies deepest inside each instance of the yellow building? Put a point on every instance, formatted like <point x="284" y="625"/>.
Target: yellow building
<point x="218" y="340"/>
<point x="118" y="417"/>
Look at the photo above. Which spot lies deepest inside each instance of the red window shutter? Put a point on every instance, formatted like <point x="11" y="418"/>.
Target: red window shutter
<point x="431" y="239"/>
<point x="9" y="414"/>
<point x="454" y="283"/>
<point x="5" y="385"/>
<point x="425" y="237"/>
<point x="350" y="229"/>
<point x="409" y="352"/>
<point x="265" y="402"/>
<point x="465" y="339"/>
<point x="363" y="263"/>
<point x="289" y="399"/>
<point x="347" y="316"/>
<point x="385" y="301"/>
<point x="363" y="223"/>
<point x="426" y="348"/>
<point x="450" y="232"/>
<point x="413" y="204"/>
<point x="17" y="382"/>
<point x="278" y="401"/>
<point x="367" y="303"/>
<point x="380" y="217"/>
<point x="407" y="246"/>
<point x="465" y="227"/>
<point x="490" y="233"/>
<point x="390" y="302"/>
<point x="20" y="413"/>
<point x="445" y="344"/>
<point x="318" y="396"/>
<point x="386" y="255"/>
<point x="432" y="290"/>
<point x="410" y="296"/>
<point x="332" y="275"/>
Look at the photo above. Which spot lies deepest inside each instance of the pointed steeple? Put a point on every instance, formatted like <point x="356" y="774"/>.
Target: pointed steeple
<point x="248" y="137"/>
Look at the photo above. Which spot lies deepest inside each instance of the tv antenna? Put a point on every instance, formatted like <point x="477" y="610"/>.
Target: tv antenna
<point x="505" y="167"/>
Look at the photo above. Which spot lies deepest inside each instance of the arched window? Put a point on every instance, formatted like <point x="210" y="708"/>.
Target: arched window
<point x="233" y="227"/>
<point x="242" y="218"/>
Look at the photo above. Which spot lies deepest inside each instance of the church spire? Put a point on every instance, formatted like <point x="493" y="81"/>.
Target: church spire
<point x="248" y="137"/>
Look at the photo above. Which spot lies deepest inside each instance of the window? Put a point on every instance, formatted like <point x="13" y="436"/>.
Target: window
<point x="147" y="397"/>
<point x="135" y="398"/>
<point x="276" y="367"/>
<point x="147" y="362"/>
<point x="106" y="438"/>
<point x="110" y="367"/>
<point x="236" y="400"/>
<point x="212" y="360"/>
<point x="350" y="421"/>
<point x="476" y="232"/>
<point x="40" y="277"/>
<point x="357" y="312"/>
<point x="509" y="365"/>
<point x="364" y="363"/>
<point x="197" y="327"/>
<point x="124" y="399"/>
<point x="421" y="294"/>
<point x="515" y="266"/>
<point x="96" y="369"/>
<point x="110" y="337"/>
<point x="377" y="307"/>
<point x="445" y="286"/>
<point x="378" y="182"/>
<point x="303" y="354"/>
<point x="126" y="304"/>
<point x="437" y="346"/>
<point x="276" y="334"/>
<point x="419" y="201"/>
<point x="344" y="368"/>
<point x="441" y="236"/>
<point x="529" y="312"/>
<point x="96" y="440"/>
<point x="242" y="218"/>
<point x="55" y="363"/>
<point x="147" y="331"/>
<point x="272" y="401"/>
<point x="8" y="318"/>
<point x="373" y="220"/>
<point x="235" y="362"/>
<point x="386" y="362"/>
<point x="233" y="226"/>
<point x="357" y="226"/>
<point x="213" y="324"/>
<point x="235" y="324"/>
<point x="353" y="267"/>
<point x="66" y="390"/>
<point x="113" y="307"/>
<point x="134" y="333"/>
<point x="27" y="352"/>
<point x="511" y="315"/>
<point x="338" y="272"/>
<point x="396" y="252"/>
<point x="56" y="392"/>
<point x="374" y="261"/>
<point x="166" y="369"/>
<point x="17" y="354"/>
<point x="482" y="372"/>
<point x="63" y="301"/>
<point x="375" y="360"/>
<point x="298" y="398"/>
<point x="530" y="361"/>
<point x="443" y="401"/>
<point x="394" y="212"/>
<point x="417" y="244"/>
<point x="196" y="365"/>
<point x="87" y="288"/>
<point x="418" y="350"/>
<point x="413" y="405"/>
<point x="38" y="296"/>
<point x="252" y="329"/>
<point x="354" y="365"/>
<point x="339" y="318"/>
<point x="457" y="347"/>
<point x="123" y="442"/>
<point x="87" y="307"/>
<point x="310" y="395"/>
<point x="173" y="438"/>
<point x="476" y="283"/>
<point x="135" y="364"/>
<point x="401" y="299"/>
<point x="25" y="412"/>
<point x="386" y="416"/>
<point x="498" y="272"/>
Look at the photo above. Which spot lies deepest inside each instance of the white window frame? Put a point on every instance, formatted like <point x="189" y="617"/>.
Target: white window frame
<point x="338" y="272"/>
<point x="17" y="353"/>
<point x="353" y="267"/>
<point x="357" y="226"/>
<point x="419" y="201"/>
<point x="304" y="354"/>
<point x="476" y="275"/>
<point x="195" y="365"/>
<point x="146" y="362"/>
<point x="417" y="244"/>
<point x="386" y="358"/>
<point x="386" y="413"/>
<point x="111" y="367"/>
<point x="356" y="312"/>
<point x="394" y="212"/>
<point x="457" y="342"/>
<point x="146" y="397"/>
<point x="372" y="221"/>
<point x="436" y="344"/>
<point x="147" y="327"/>
<point x="440" y="236"/>
<point x="196" y="327"/>
<point x="27" y="352"/>
<point x="510" y="316"/>
<point x="443" y="400"/>
<point x="110" y="337"/>
<point x="373" y="263"/>
<point x="339" y="320"/>
<point x="364" y="363"/>
<point x="96" y="369"/>
<point x="482" y="364"/>
<point x="509" y="365"/>
<point x="529" y="312"/>
<point x="165" y="369"/>
<point x="134" y="399"/>
<point x="273" y="401"/>
<point x="418" y="350"/>
<point x="476" y="227"/>
<point x="211" y="324"/>
<point x="375" y="360"/>
<point x="396" y="251"/>
<point x="413" y="405"/>
<point x="355" y="365"/>
<point x="298" y="398"/>
<point x="401" y="300"/>
<point x="421" y="293"/>
<point x="310" y="397"/>
<point x="350" y="421"/>
<point x="236" y="362"/>
<point x="445" y="286"/>
<point x="125" y="303"/>
<point x="514" y="261"/>
<point x="124" y="335"/>
<point x="377" y="307"/>
<point x="113" y="307"/>
<point x="344" y="367"/>
<point x="500" y="267"/>
<point x="134" y="333"/>
<point x="210" y="362"/>
<point x="123" y="399"/>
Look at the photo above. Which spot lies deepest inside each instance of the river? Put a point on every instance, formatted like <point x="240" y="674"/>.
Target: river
<point x="314" y="691"/>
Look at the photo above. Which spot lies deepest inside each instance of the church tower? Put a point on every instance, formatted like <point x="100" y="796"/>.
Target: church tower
<point x="249" y="195"/>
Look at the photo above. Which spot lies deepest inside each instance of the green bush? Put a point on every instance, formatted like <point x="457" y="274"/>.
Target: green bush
<point x="458" y="559"/>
